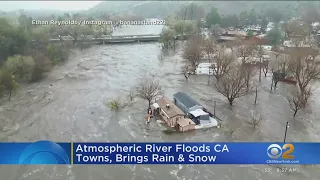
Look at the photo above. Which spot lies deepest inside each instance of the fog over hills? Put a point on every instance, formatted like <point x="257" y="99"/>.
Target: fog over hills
<point x="47" y="5"/>
<point x="144" y="8"/>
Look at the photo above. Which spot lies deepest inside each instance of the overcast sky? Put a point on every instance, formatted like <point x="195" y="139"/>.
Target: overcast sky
<point x="54" y="5"/>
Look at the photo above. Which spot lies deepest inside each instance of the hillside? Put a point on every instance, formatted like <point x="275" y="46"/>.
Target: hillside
<point x="163" y="8"/>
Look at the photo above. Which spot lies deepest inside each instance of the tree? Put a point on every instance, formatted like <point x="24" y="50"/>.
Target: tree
<point x="223" y="63"/>
<point x="12" y="40"/>
<point x="250" y="33"/>
<point x="40" y="36"/>
<point x="275" y="15"/>
<point x="210" y="47"/>
<point x="232" y="85"/>
<point x="185" y="71"/>
<point x="297" y="100"/>
<point x="279" y="68"/>
<point x="303" y="66"/>
<point x="229" y="21"/>
<point x="192" y="51"/>
<point x="20" y="66"/>
<point x="216" y="30"/>
<point x="310" y="15"/>
<point x="264" y="24"/>
<point x="274" y="37"/>
<point x="243" y="18"/>
<point x="265" y="68"/>
<point x="247" y="70"/>
<point x="256" y="118"/>
<point x="213" y="17"/>
<point x="77" y="32"/>
<point x="191" y="11"/>
<point x="244" y="51"/>
<point x="252" y="17"/>
<point x="261" y="64"/>
<point x="25" y="23"/>
<point x="149" y="89"/>
<point x="167" y="38"/>
<point x="8" y="82"/>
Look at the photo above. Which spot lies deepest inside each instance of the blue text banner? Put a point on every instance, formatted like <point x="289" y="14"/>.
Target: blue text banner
<point x="47" y="152"/>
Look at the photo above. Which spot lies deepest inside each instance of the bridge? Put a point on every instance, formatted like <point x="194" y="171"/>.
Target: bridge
<point x="107" y="39"/>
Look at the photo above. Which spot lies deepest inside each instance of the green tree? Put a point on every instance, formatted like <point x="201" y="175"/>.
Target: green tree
<point x="252" y="17"/>
<point x="20" y="66"/>
<point x="264" y="24"/>
<point x="275" y="37"/>
<point x="243" y="18"/>
<point x="216" y="30"/>
<point x="12" y="40"/>
<point x="7" y="82"/>
<point x="167" y="38"/>
<point x="213" y="17"/>
<point x="229" y="21"/>
<point x="250" y="33"/>
<point x="25" y="23"/>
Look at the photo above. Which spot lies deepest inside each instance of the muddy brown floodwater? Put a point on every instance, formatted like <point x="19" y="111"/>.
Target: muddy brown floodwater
<point x="69" y="106"/>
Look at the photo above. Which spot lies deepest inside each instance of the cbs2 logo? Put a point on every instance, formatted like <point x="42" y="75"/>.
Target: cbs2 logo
<point x="274" y="151"/>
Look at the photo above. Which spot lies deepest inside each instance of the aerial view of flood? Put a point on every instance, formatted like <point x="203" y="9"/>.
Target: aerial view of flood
<point x="74" y="83"/>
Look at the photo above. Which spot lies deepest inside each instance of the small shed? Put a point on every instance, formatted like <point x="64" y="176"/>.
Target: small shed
<point x="169" y="111"/>
<point x="186" y="124"/>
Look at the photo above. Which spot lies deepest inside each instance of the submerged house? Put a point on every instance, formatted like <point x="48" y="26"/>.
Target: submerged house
<point x="185" y="102"/>
<point x="199" y="115"/>
<point x="172" y="115"/>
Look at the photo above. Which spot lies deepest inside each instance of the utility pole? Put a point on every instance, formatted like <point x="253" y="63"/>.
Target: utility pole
<point x="285" y="133"/>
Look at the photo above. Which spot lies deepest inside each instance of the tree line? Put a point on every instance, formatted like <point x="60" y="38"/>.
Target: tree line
<point x="26" y="52"/>
<point x="234" y="75"/>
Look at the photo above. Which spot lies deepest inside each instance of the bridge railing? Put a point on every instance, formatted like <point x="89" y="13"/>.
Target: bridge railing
<point x="105" y="37"/>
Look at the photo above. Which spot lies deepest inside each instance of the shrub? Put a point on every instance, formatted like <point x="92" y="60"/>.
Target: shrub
<point x="58" y="53"/>
<point x="7" y="82"/>
<point x="115" y="104"/>
<point x="21" y="66"/>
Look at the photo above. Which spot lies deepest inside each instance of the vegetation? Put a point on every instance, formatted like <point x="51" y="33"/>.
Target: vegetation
<point x="26" y="52"/>
<point x="233" y="85"/>
<point x="149" y="89"/>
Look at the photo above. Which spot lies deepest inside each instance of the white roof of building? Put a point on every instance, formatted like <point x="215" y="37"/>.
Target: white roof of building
<point x="198" y="112"/>
<point x="204" y="65"/>
<point x="156" y="105"/>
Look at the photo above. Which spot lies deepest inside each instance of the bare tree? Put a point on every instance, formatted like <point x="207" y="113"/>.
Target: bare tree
<point x="244" y="51"/>
<point x="265" y="67"/>
<point x="260" y="53"/>
<point x="231" y="130"/>
<point x="223" y="63"/>
<point x="256" y="95"/>
<point x="149" y="89"/>
<point x="185" y="70"/>
<point x="297" y="100"/>
<point x="279" y="68"/>
<point x="193" y="51"/>
<point x="256" y="118"/>
<point x="210" y="47"/>
<point x="233" y="85"/>
<point x="303" y="67"/>
<point x="248" y="73"/>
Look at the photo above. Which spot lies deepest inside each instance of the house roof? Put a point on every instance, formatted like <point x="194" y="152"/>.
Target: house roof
<point x="185" y="99"/>
<point x="172" y="111"/>
<point x="198" y="112"/>
<point x="228" y="38"/>
<point x="185" y="122"/>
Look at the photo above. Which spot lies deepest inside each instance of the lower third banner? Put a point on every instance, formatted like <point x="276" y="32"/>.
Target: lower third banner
<point x="47" y="152"/>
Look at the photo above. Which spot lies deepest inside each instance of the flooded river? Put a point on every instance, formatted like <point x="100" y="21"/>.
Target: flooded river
<point x="69" y="105"/>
